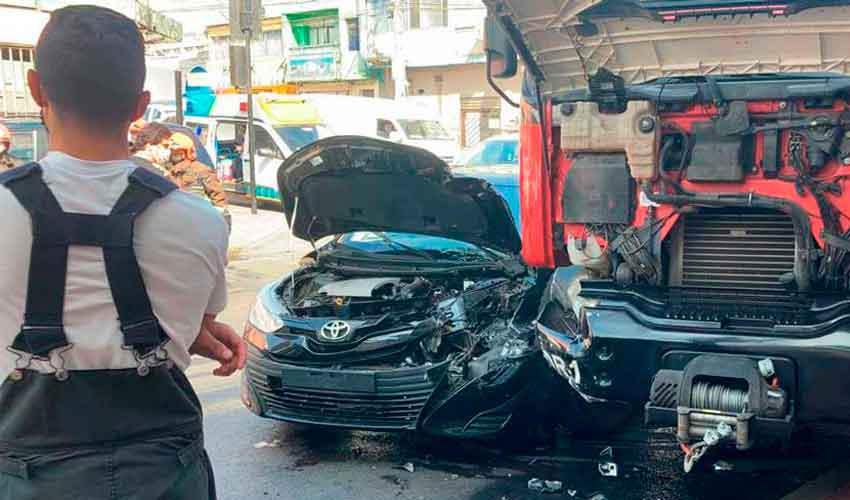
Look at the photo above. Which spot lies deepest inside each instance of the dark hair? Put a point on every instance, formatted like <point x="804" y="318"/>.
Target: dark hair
<point x="152" y="133"/>
<point x="91" y="62"/>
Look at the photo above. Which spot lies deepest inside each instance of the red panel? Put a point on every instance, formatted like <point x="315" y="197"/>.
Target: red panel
<point x="535" y="197"/>
<point x="541" y="192"/>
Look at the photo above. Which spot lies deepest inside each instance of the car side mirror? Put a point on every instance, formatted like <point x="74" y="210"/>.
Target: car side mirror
<point x="396" y="136"/>
<point x="501" y="55"/>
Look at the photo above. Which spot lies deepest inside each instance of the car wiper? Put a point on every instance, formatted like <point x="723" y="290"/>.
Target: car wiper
<point x="407" y="248"/>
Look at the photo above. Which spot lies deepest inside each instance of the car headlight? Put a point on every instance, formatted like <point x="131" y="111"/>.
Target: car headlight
<point x="264" y="320"/>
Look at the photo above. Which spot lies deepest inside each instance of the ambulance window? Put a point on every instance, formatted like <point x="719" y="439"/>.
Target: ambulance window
<point x="265" y="145"/>
<point x="226" y="132"/>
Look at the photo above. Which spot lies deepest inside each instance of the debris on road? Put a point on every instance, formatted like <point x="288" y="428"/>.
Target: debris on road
<point x="572" y="493"/>
<point x="723" y="466"/>
<point x="543" y="486"/>
<point x="607" y="466"/>
<point x="409" y="467"/>
<point x="264" y="444"/>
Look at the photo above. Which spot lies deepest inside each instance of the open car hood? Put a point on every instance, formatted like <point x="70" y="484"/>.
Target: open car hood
<point x="563" y="42"/>
<point x="352" y="183"/>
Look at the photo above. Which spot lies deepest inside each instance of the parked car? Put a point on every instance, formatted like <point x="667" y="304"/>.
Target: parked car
<point x="414" y="314"/>
<point x="495" y="160"/>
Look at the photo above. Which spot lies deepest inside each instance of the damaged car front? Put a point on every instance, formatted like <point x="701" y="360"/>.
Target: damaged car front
<point x="413" y="316"/>
<point x="685" y="171"/>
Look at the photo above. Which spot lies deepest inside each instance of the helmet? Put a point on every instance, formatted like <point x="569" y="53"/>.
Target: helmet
<point x="181" y="141"/>
<point x="5" y="134"/>
<point x="137" y="126"/>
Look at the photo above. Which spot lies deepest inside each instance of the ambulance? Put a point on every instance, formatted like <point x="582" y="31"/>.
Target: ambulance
<point x="283" y="124"/>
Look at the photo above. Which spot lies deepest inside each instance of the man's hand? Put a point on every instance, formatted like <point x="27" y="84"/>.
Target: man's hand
<point x="219" y="342"/>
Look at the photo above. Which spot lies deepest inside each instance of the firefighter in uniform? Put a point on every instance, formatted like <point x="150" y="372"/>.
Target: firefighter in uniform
<point x="188" y="173"/>
<point x="7" y="161"/>
<point x="110" y="278"/>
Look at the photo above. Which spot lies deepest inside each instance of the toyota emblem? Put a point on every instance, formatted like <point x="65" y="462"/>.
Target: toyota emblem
<point x="335" y="331"/>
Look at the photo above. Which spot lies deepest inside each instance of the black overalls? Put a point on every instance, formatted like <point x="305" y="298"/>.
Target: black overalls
<point x="133" y="434"/>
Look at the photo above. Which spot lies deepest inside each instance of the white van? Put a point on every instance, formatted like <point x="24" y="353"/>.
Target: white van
<point x="397" y="121"/>
<point x="282" y="125"/>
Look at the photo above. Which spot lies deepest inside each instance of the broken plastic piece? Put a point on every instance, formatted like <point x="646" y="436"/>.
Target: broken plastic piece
<point x="542" y="486"/>
<point x="409" y="467"/>
<point x="608" y="469"/>
<point x="723" y="466"/>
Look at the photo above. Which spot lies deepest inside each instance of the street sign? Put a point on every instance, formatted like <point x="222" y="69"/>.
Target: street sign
<point x="246" y="18"/>
<point x="239" y="66"/>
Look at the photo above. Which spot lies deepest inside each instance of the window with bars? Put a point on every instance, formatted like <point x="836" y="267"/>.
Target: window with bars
<point x="317" y="32"/>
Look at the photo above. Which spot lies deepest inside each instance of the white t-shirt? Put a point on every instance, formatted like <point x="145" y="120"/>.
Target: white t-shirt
<point x="181" y="246"/>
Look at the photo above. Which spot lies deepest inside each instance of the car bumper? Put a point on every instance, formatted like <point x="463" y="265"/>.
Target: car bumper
<point x="626" y="350"/>
<point x="387" y="399"/>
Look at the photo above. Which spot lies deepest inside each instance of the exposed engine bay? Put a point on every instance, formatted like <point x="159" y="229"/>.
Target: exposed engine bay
<point x="448" y="317"/>
<point x="728" y="196"/>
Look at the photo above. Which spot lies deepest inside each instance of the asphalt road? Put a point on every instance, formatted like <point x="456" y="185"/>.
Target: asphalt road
<point x="256" y="458"/>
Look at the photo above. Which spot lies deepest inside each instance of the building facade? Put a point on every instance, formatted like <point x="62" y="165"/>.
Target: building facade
<point x="428" y="51"/>
<point x="23" y="21"/>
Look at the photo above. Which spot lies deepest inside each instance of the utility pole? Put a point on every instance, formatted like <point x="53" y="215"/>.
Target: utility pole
<point x="178" y="95"/>
<point x="252" y="171"/>
<point x="245" y="24"/>
<point x="399" y="66"/>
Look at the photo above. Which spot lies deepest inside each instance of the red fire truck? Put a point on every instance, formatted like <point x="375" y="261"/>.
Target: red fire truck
<point x="684" y="173"/>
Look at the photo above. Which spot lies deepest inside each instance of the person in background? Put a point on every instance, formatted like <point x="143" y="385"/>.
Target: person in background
<point x="188" y="173"/>
<point x="135" y="128"/>
<point x="7" y="161"/>
<point x="152" y="144"/>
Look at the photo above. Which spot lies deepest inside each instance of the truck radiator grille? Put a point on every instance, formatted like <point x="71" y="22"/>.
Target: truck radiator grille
<point x="738" y="250"/>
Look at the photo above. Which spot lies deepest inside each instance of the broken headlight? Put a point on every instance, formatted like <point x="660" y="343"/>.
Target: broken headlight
<point x="263" y="319"/>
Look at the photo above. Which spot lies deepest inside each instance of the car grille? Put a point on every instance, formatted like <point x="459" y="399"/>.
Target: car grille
<point x="399" y="398"/>
<point x="740" y="250"/>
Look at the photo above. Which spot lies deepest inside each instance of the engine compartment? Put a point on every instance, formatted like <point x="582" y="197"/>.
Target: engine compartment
<point x="431" y="319"/>
<point x="776" y="170"/>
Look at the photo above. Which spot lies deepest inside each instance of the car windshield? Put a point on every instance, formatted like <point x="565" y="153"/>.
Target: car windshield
<point x="407" y="244"/>
<point x="297" y="137"/>
<point x="496" y="152"/>
<point x="424" y="129"/>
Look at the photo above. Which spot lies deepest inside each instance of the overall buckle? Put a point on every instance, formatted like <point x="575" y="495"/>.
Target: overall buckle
<point x="147" y="342"/>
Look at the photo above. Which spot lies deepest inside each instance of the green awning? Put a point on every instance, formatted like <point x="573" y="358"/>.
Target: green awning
<point x="303" y="16"/>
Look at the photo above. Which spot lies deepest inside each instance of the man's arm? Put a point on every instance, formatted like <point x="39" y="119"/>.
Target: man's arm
<point x="220" y="342"/>
<point x="212" y="186"/>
